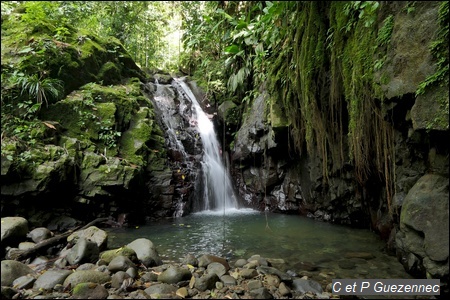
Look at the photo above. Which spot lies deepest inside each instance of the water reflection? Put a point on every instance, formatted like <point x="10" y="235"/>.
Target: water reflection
<point x="303" y="244"/>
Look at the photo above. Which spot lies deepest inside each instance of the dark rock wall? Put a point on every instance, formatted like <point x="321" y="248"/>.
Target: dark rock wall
<point x="268" y="175"/>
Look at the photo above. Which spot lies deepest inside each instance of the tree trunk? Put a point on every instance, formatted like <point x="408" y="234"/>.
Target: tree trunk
<point x="52" y="241"/>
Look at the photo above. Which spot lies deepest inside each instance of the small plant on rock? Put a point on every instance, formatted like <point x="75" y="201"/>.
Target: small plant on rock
<point x="39" y="88"/>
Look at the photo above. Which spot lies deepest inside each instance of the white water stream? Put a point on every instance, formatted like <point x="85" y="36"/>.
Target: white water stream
<point x="218" y="190"/>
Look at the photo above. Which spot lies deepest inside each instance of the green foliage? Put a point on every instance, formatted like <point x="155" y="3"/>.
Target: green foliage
<point x="37" y="12"/>
<point x="40" y="89"/>
<point x="141" y="26"/>
<point x="383" y="40"/>
<point x="61" y="33"/>
<point x="440" y="51"/>
<point x="410" y="7"/>
<point x="108" y="136"/>
<point x="229" y="45"/>
<point x="85" y="111"/>
<point x="26" y="129"/>
<point x="23" y="95"/>
<point x="365" y="10"/>
<point x="385" y="32"/>
<point x="323" y="70"/>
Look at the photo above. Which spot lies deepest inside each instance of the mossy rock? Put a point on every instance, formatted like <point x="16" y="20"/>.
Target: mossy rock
<point x="277" y="116"/>
<point x="92" y="160"/>
<point x="133" y="142"/>
<point x="89" y="290"/>
<point x="98" y="174"/>
<point x="109" y="73"/>
<point x="96" y="114"/>
<point x="109" y="255"/>
<point x="106" y="113"/>
<point x="163" y="78"/>
<point x="229" y="112"/>
<point x="35" y="171"/>
<point x="124" y="96"/>
<point x="84" y="276"/>
<point x="74" y="117"/>
<point x="95" y="110"/>
<point x="53" y="169"/>
<point x="430" y="111"/>
<point x="78" y="58"/>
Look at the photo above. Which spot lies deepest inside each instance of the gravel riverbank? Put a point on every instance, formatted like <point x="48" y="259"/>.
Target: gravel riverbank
<point x="80" y="266"/>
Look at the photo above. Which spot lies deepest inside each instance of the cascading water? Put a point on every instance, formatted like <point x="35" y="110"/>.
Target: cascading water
<point x="164" y="96"/>
<point x="218" y="190"/>
<point x="200" y="179"/>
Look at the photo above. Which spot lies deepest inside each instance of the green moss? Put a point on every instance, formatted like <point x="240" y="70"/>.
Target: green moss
<point x="91" y="161"/>
<point x="84" y="288"/>
<point x="109" y="73"/>
<point x="385" y="32"/>
<point x="133" y="142"/>
<point x="109" y="255"/>
<point x="325" y="65"/>
<point x="88" y="47"/>
<point x="99" y="116"/>
<point x="437" y="109"/>
<point x="277" y="115"/>
<point x="440" y="51"/>
<point x="106" y="113"/>
<point x="71" y="145"/>
<point x="125" y="97"/>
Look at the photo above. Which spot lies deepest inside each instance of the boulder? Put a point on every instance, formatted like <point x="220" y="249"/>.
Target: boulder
<point x="92" y="233"/>
<point x="89" y="290"/>
<point x="160" y="289"/>
<point x="253" y="136"/>
<point x="50" y="278"/>
<point x="206" y="282"/>
<point x="146" y="252"/>
<point x="206" y="259"/>
<point x="229" y="112"/>
<point x="118" y="278"/>
<point x="409" y="60"/>
<point x="174" y="274"/>
<point x="11" y="270"/>
<point x="120" y="263"/>
<point x="13" y="228"/>
<point x="108" y="255"/>
<point x="39" y="234"/>
<point x="304" y="285"/>
<point x="86" y="276"/>
<point x="83" y="251"/>
<point x="424" y="225"/>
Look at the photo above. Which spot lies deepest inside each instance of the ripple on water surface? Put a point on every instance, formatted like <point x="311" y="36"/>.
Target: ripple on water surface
<point x="294" y="243"/>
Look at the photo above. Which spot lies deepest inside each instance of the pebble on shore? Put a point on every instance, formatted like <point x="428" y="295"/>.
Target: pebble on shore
<point x="81" y="271"/>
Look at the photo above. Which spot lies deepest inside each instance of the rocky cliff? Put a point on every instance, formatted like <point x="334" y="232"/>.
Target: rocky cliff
<point x="100" y="150"/>
<point x="95" y="150"/>
<point x="395" y="200"/>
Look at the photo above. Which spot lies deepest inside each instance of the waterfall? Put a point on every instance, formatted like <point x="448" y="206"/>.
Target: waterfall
<point x="218" y="190"/>
<point x="200" y="180"/>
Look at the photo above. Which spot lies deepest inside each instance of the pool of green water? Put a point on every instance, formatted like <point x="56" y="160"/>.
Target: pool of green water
<point x="294" y="243"/>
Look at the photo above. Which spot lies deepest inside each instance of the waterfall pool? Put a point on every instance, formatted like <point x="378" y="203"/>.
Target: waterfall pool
<point x="294" y="244"/>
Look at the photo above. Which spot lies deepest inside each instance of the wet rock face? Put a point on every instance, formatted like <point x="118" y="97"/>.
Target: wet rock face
<point x="253" y="136"/>
<point x="175" y="186"/>
<point x="150" y="171"/>
<point x="424" y="226"/>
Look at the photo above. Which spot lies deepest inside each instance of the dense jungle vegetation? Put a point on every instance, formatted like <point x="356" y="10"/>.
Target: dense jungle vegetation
<point x="322" y="63"/>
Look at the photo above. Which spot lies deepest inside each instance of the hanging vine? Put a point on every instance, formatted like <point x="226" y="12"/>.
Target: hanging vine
<point x="323" y="76"/>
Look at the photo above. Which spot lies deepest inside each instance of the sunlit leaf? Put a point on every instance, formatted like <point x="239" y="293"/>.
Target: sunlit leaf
<point x="232" y="49"/>
<point x="49" y="125"/>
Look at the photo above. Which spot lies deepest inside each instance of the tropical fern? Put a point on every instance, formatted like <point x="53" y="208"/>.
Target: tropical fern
<point x="40" y="89"/>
